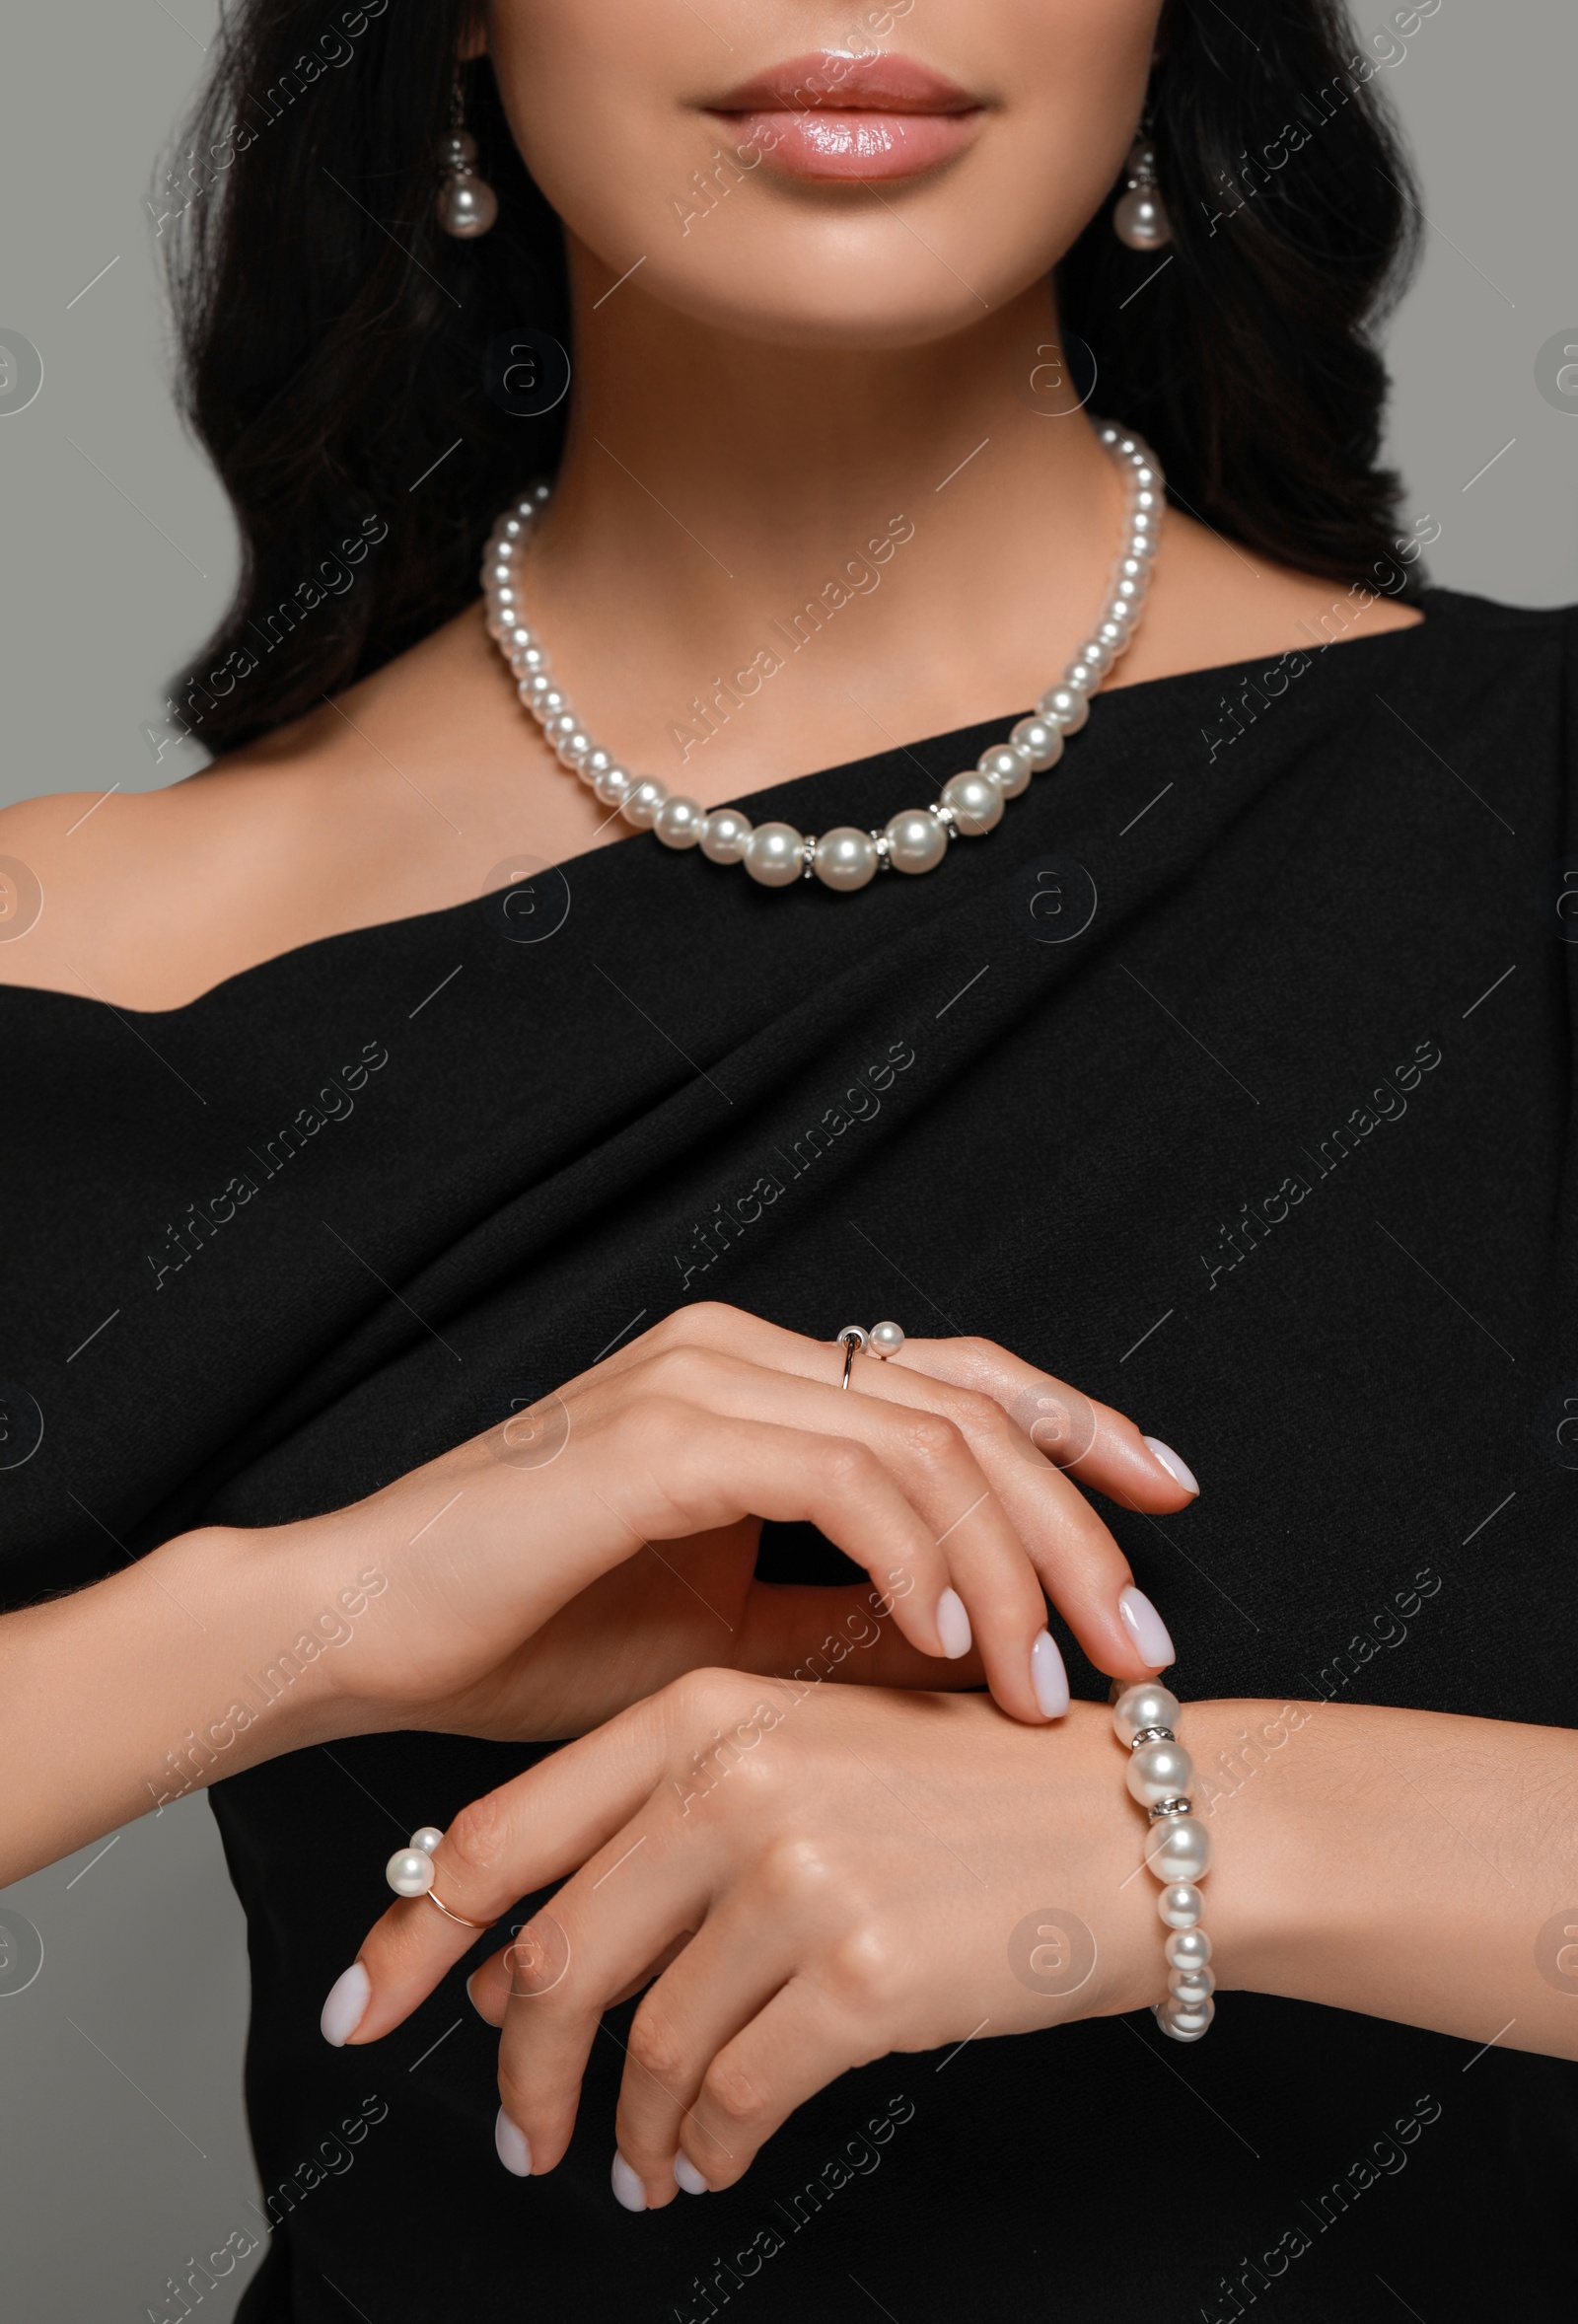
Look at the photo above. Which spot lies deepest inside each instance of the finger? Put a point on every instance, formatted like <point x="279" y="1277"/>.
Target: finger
<point x="1102" y="1446"/>
<point x="741" y="1956"/>
<point x="1009" y="1524"/>
<point x="638" y="1896"/>
<point x="804" y="2038"/>
<point x="981" y="1557"/>
<point x="508" y="1845"/>
<point x="793" y="1630"/>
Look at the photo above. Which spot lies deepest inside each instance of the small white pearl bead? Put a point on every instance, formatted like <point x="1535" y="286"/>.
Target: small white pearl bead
<point x="1041" y="739"/>
<point x="887" y="1339"/>
<point x="775" y="854"/>
<point x="1083" y="676"/>
<point x="427" y="1839"/>
<point x="976" y="803"/>
<point x="1186" y="2025"/>
<point x="916" y="840"/>
<point x="1188" y="1949"/>
<point x="1008" y="766"/>
<point x="1113" y="637"/>
<point x="572" y="749"/>
<point x="1147" y="1703"/>
<point x="550" y="701"/>
<point x="528" y="656"/>
<point x="1191" y="1986"/>
<point x="597" y="762"/>
<point x="678" y="823"/>
<point x="724" y="834"/>
<point x="1179" y="1905"/>
<point x="410" y="1871"/>
<point x="1065" y="706"/>
<point x="643" y="801"/>
<point x="844" y="858"/>
<point x="613" y="786"/>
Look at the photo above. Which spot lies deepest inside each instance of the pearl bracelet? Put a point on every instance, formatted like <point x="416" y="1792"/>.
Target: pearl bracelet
<point x="1145" y="1718"/>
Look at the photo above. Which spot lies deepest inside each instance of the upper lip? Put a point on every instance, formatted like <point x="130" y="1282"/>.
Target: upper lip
<point x="831" y="79"/>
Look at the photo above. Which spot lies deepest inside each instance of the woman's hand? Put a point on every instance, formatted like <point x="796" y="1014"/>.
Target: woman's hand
<point x="848" y="1873"/>
<point x="583" y="1553"/>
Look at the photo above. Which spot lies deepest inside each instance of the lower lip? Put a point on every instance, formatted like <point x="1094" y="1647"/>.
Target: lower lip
<point x="851" y="145"/>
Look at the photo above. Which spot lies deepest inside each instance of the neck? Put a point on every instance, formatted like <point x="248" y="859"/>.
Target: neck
<point x="712" y="485"/>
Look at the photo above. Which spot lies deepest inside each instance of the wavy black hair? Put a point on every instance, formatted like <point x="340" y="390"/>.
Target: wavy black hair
<point x="332" y="339"/>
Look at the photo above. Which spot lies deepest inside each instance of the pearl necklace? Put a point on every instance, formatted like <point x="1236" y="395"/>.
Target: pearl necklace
<point x="917" y="837"/>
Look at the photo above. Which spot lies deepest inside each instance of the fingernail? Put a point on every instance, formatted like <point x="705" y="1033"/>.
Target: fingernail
<point x="1048" y="1677"/>
<point x="1176" y="1468"/>
<point x="687" y="2175"/>
<point x="513" y="2145"/>
<point x="346" y="2006"/>
<point x="952" y="1625"/>
<point x="471" y="1997"/>
<point x="628" y="2185"/>
<point x="1146" y="1628"/>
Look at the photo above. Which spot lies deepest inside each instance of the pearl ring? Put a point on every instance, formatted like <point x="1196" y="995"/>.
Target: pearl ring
<point x="881" y="1340"/>
<point x="410" y="1872"/>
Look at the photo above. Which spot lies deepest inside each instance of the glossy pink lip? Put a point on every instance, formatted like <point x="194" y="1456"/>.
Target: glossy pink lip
<point x="836" y="115"/>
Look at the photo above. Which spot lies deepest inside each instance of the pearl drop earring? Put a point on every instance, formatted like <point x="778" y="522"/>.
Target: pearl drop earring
<point x="1139" y="218"/>
<point x="466" y="204"/>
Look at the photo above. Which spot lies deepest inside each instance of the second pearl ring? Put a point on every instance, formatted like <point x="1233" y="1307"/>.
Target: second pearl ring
<point x="882" y="1342"/>
<point x="410" y="1872"/>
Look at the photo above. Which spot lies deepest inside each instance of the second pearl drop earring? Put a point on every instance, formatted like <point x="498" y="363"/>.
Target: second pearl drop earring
<point x="466" y="204"/>
<point x="1138" y="217"/>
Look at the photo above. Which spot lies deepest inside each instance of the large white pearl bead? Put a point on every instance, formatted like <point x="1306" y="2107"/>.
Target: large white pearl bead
<point x="1157" y="1771"/>
<point x="844" y="858"/>
<point x="1065" y="706"/>
<point x="1179" y="1905"/>
<point x="1140" y="221"/>
<point x="916" y="840"/>
<point x="1182" y="1849"/>
<point x="410" y="1871"/>
<point x="885" y="1340"/>
<point x="976" y="802"/>
<point x="1147" y="1703"/>
<point x="427" y="1839"/>
<point x="1041" y="739"/>
<point x="724" y="834"/>
<point x="678" y="823"/>
<point x="613" y="786"/>
<point x="775" y="854"/>
<point x="642" y="803"/>
<point x="1188" y="1949"/>
<point x="1008" y="766"/>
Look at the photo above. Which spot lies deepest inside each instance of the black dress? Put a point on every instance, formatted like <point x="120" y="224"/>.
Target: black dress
<point x="1232" y="1079"/>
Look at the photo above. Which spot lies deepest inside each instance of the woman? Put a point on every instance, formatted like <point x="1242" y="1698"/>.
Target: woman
<point x="450" y="1197"/>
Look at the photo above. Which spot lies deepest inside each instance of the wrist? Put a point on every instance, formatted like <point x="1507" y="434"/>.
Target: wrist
<point x="282" y="1604"/>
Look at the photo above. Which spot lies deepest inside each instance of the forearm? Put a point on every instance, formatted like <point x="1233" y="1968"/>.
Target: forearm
<point x="213" y="1653"/>
<point x="1410" y="1864"/>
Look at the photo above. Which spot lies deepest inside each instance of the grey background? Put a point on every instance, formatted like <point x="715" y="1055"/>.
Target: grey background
<point x="122" y="2147"/>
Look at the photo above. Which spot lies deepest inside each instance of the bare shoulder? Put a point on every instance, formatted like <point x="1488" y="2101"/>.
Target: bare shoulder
<point x="361" y="812"/>
<point x="1215" y="602"/>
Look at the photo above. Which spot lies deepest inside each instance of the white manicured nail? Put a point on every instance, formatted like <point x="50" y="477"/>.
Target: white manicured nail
<point x="952" y="1625"/>
<point x="687" y="2175"/>
<point x="1146" y="1628"/>
<point x="1176" y="1468"/>
<point x="346" y="2006"/>
<point x="628" y="2185"/>
<point x="1048" y="1677"/>
<point x="513" y="2145"/>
